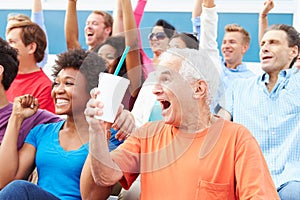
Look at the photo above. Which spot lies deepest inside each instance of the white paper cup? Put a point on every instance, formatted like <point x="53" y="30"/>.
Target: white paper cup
<point x="112" y="90"/>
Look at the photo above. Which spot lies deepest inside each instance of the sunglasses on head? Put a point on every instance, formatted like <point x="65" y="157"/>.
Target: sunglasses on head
<point x="158" y="36"/>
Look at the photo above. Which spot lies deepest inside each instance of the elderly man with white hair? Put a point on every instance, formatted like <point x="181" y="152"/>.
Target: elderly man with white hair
<point x="191" y="153"/>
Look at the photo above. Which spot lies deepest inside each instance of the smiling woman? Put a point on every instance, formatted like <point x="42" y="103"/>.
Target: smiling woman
<point x="159" y="38"/>
<point x="60" y="154"/>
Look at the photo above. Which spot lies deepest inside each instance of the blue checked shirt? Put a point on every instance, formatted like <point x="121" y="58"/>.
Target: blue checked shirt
<point x="228" y="74"/>
<point x="272" y="117"/>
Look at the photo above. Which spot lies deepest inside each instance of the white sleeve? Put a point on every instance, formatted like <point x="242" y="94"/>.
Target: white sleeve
<point x="208" y="38"/>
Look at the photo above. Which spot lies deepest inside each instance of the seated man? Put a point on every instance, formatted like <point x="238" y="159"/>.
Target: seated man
<point x="30" y="41"/>
<point x="8" y="71"/>
<point x="268" y="105"/>
<point x="191" y="153"/>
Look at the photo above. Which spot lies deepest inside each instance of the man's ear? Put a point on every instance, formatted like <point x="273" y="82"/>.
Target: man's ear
<point x="293" y="52"/>
<point x="245" y="48"/>
<point x="108" y="30"/>
<point x="200" y="89"/>
<point x="32" y="48"/>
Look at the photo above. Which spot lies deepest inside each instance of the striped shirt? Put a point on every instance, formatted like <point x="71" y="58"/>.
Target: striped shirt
<point x="272" y="117"/>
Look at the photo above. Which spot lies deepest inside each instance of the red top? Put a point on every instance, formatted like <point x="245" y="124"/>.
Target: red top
<point x="37" y="84"/>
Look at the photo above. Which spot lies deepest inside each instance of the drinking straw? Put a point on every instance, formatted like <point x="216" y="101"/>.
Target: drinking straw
<point x="121" y="60"/>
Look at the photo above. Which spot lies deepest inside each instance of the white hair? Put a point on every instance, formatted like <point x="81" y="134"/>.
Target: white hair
<point x="197" y="65"/>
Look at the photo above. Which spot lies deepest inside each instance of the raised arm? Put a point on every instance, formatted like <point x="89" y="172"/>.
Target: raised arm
<point x="197" y="10"/>
<point x="71" y="25"/>
<point x="138" y="15"/>
<point x="37" y="16"/>
<point x="88" y="188"/>
<point x="196" y="19"/>
<point x="139" y="11"/>
<point x="118" y="26"/>
<point x="209" y="23"/>
<point x="16" y="164"/>
<point x="133" y="61"/>
<point x="209" y="30"/>
<point x="100" y="172"/>
<point x="263" y="19"/>
<point x="104" y="170"/>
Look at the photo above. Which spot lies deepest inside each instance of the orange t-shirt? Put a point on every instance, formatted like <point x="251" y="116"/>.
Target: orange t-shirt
<point x="227" y="163"/>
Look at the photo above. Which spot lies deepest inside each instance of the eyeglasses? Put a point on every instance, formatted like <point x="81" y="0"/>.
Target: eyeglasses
<point x="158" y="36"/>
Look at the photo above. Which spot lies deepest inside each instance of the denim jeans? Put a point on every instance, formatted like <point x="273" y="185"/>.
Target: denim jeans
<point x="289" y="190"/>
<point x="20" y="189"/>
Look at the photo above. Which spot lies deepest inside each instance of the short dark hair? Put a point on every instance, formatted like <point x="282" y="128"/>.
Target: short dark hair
<point x="118" y="43"/>
<point x="293" y="36"/>
<point x="9" y="61"/>
<point x="189" y="39"/>
<point x="168" y="28"/>
<point x="87" y="62"/>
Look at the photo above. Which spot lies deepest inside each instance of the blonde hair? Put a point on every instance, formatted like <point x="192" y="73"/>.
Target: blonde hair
<point x="15" y="18"/>
<point x="237" y="28"/>
<point x="18" y="17"/>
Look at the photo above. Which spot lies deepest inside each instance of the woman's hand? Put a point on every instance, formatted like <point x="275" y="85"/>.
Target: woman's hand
<point x="25" y="106"/>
